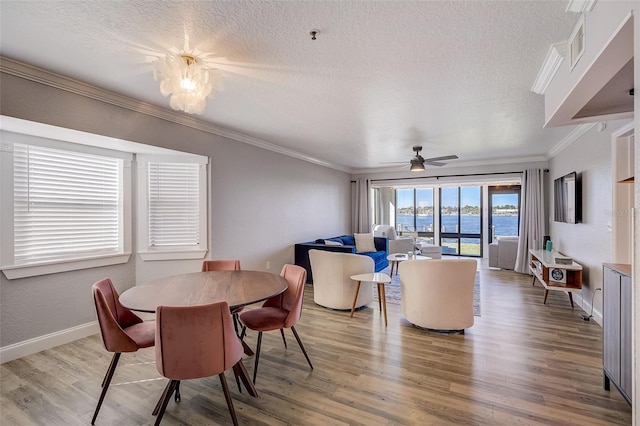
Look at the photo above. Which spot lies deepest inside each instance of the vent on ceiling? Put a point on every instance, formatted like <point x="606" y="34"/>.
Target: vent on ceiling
<point x="577" y="42"/>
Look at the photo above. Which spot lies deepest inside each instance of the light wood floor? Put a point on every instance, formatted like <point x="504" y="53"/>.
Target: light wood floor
<point x="521" y="363"/>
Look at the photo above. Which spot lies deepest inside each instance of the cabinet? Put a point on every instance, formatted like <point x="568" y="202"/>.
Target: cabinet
<point x="617" y="337"/>
<point x="553" y="275"/>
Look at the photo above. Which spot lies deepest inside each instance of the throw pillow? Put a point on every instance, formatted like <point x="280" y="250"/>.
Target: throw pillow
<point x="364" y="243"/>
<point x="348" y="240"/>
<point x="331" y="243"/>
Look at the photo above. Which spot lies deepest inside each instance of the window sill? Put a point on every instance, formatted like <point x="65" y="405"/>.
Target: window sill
<point x="172" y="255"/>
<point x="34" y="270"/>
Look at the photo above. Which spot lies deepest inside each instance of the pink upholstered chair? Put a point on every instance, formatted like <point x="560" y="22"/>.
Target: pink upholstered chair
<point x="221" y="265"/>
<point x="279" y="312"/>
<point x="195" y="342"/>
<point x="121" y="330"/>
<point x="224" y="265"/>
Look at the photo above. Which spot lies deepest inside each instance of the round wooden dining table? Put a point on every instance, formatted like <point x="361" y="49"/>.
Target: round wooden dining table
<point x="238" y="288"/>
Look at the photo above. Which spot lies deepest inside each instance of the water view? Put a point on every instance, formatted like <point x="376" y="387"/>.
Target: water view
<point x="504" y="225"/>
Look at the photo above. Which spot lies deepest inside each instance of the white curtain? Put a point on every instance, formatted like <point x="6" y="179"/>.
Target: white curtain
<point x="531" y="216"/>
<point x="360" y="206"/>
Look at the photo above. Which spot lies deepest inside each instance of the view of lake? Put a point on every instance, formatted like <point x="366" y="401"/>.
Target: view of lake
<point x="504" y="225"/>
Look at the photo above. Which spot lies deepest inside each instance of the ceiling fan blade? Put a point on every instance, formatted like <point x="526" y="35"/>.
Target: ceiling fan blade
<point x="434" y="163"/>
<point x="446" y="157"/>
<point x="393" y="162"/>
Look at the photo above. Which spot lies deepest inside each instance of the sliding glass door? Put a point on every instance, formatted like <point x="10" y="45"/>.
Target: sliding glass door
<point x="504" y="205"/>
<point x="461" y="220"/>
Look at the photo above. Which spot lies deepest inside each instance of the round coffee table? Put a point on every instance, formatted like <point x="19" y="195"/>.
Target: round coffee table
<point x="395" y="259"/>
<point x="380" y="279"/>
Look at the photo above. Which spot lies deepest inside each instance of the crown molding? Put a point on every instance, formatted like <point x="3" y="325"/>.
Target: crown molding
<point x="556" y="54"/>
<point x="58" y="81"/>
<point x="573" y="136"/>
<point x="580" y="6"/>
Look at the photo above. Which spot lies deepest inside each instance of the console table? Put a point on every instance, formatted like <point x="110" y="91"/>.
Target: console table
<point x="555" y="276"/>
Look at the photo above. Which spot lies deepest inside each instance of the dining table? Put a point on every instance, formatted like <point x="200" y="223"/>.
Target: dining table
<point x="238" y="288"/>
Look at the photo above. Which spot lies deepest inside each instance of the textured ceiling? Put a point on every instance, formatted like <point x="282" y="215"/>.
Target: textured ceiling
<point x="381" y="76"/>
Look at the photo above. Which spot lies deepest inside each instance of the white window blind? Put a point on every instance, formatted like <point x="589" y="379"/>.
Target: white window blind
<point x="174" y="203"/>
<point x="67" y="205"/>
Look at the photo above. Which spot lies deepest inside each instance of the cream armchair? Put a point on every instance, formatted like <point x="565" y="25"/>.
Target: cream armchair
<point x="397" y="244"/>
<point x="503" y="253"/>
<point x="332" y="286"/>
<point x="438" y="294"/>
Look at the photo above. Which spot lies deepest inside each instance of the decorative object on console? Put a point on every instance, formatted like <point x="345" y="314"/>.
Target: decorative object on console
<point x="563" y="260"/>
<point x="558" y="275"/>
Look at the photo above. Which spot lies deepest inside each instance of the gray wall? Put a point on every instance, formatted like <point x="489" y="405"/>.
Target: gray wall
<point x="589" y="242"/>
<point x="261" y="203"/>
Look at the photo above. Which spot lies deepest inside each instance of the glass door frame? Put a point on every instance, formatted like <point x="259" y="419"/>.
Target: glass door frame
<point x="491" y="190"/>
<point x="459" y="236"/>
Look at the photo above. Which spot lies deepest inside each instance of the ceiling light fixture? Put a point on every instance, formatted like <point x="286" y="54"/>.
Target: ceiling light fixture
<point x="416" y="166"/>
<point x="184" y="77"/>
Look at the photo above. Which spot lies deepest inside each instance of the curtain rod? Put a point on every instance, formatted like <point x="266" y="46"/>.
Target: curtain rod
<point x="446" y="176"/>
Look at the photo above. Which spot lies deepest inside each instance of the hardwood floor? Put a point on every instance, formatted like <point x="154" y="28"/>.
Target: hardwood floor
<point x="521" y="363"/>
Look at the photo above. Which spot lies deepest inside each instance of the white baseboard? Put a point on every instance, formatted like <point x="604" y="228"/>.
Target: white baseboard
<point x="48" y="341"/>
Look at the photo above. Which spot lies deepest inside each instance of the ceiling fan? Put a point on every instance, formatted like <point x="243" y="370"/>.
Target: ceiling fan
<point x="416" y="164"/>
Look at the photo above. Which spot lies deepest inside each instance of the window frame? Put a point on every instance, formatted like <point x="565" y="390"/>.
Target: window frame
<point x="147" y="252"/>
<point x="7" y="263"/>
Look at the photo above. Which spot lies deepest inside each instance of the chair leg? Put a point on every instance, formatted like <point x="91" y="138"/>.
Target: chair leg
<point x="283" y="338"/>
<point x="162" y="397"/>
<point x="178" y="398"/>
<point x="105" y="383"/>
<point x="227" y="396"/>
<point x="255" y="367"/>
<point x="241" y="371"/>
<point x="235" y="324"/>
<point x="235" y="374"/>
<point x="247" y="349"/>
<point x="295" y="333"/>
<point x="113" y="359"/>
<point x="167" y="396"/>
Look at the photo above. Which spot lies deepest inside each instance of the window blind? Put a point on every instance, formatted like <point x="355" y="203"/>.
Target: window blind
<point x="67" y="205"/>
<point x="173" y="204"/>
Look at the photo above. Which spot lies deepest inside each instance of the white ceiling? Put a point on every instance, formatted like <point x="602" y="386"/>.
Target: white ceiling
<point x="381" y="77"/>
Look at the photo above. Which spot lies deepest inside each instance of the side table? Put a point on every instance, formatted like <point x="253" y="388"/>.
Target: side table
<point x="380" y="279"/>
<point x="395" y="259"/>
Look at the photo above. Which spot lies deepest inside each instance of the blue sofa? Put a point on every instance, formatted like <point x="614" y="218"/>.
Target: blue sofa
<point x="349" y="246"/>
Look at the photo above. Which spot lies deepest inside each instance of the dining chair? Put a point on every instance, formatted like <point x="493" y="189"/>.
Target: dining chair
<point x="225" y="265"/>
<point x="279" y="312"/>
<point x="195" y="342"/>
<point x="121" y="330"/>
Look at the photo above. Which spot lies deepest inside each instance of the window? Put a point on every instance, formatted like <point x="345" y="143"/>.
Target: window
<point x="172" y="202"/>
<point x="414" y="212"/>
<point x="64" y="208"/>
